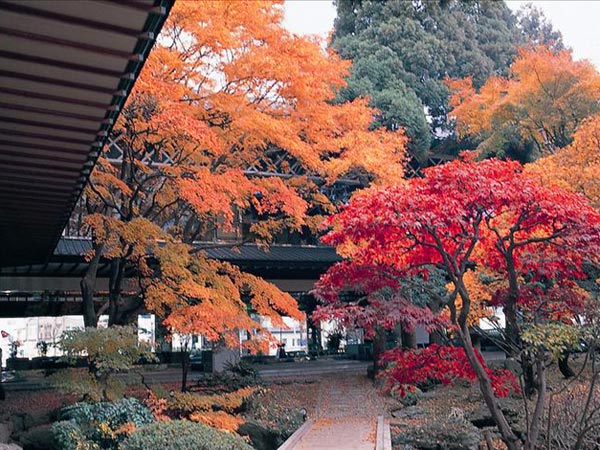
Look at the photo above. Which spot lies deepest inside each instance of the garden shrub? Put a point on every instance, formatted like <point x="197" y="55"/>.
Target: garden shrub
<point x="99" y="425"/>
<point x="182" y="435"/>
<point x="280" y="419"/>
<point x="189" y="403"/>
<point x="107" y="351"/>
<point x="236" y="378"/>
<point x="451" y="433"/>
<point x="217" y="410"/>
<point x="439" y="364"/>
<point x="68" y="436"/>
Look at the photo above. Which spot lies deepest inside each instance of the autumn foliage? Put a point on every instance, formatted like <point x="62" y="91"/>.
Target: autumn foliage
<point x="439" y="364"/>
<point x="462" y="216"/>
<point x="575" y="168"/>
<point x="226" y="89"/>
<point x="545" y="98"/>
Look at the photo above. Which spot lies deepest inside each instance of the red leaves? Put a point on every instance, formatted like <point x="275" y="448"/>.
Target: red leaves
<point x="439" y="364"/>
<point x="462" y="214"/>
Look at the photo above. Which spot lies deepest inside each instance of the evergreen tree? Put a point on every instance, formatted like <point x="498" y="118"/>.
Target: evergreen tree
<point x="402" y="51"/>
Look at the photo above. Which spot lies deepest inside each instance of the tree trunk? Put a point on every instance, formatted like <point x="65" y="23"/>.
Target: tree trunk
<point x="533" y="432"/>
<point x="485" y="386"/>
<point x="185" y="366"/>
<point x="88" y="287"/>
<point x="378" y="349"/>
<point x="476" y="340"/>
<point x="114" y="294"/>
<point x="409" y="338"/>
<point x="563" y="365"/>
<point x="529" y="376"/>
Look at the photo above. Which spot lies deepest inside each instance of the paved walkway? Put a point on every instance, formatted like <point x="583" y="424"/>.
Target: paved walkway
<point x="346" y="416"/>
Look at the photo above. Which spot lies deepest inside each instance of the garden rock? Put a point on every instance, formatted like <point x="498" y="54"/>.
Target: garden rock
<point x="10" y="447"/>
<point x="38" y="418"/>
<point x="446" y="434"/>
<point x="38" y="438"/>
<point x="481" y="417"/>
<point x="6" y="429"/>
<point x="262" y="438"/>
<point x="409" y="412"/>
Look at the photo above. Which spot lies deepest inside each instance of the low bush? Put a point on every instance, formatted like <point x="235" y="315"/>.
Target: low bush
<point x="182" y="435"/>
<point x="108" y="351"/>
<point x="99" y="425"/>
<point x="439" y="364"/>
<point x="452" y="433"/>
<point x="189" y="403"/>
<point x="278" y="418"/>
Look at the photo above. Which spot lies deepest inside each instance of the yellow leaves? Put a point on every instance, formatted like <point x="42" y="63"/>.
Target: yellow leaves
<point x="575" y="168"/>
<point x="555" y="337"/>
<point x="218" y="410"/>
<point x="481" y="294"/>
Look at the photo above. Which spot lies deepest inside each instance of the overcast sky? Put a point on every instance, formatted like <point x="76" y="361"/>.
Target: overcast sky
<point x="576" y="19"/>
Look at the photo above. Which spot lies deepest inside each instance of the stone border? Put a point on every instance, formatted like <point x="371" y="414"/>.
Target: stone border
<point x="297" y="436"/>
<point x="384" y="435"/>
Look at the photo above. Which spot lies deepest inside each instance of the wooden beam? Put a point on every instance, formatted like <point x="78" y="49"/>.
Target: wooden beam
<point x="50" y="125"/>
<point x="42" y="157"/>
<point x="44" y="136"/>
<point x="51" y="112"/>
<point x="27" y="10"/>
<point x="55" y="81"/>
<point x="100" y="50"/>
<point x="4" y="165"/>
<point x="59" y="99"/>
<point x="96" y="70"/>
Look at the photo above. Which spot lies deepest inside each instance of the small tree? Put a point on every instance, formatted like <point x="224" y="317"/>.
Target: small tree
<point x="464" y="215"/>
<point x="108" y="351"/>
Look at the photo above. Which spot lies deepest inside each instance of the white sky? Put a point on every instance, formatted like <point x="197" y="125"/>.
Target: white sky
<point x="576" y="19"/>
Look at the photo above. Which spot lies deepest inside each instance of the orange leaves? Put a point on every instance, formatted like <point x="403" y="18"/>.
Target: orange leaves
<point x="212" y="298"/>
<point x="575" y="168"/>
<point x="218" y="419"/>
<point x="227" y="94"/>
<point x="545" y="98"/>
<point x="233" y="67"/>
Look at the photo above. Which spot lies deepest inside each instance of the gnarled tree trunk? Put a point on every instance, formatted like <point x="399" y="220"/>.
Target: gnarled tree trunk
<point x="88" y="287"/>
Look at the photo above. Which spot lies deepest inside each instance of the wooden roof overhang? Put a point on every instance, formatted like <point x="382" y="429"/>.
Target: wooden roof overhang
<point x="66" y="69"/>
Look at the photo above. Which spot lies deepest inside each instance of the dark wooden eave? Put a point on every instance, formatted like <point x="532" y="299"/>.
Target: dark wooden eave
<point x="66" y="69"/>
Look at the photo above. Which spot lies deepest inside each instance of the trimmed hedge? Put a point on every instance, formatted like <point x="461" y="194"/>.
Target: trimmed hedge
<point x="182" y="435"/>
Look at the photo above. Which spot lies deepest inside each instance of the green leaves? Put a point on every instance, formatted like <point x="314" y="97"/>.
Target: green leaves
<point x="556" y="338"/>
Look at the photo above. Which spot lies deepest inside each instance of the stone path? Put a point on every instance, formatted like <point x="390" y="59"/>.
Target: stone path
<point x="346" y="416"/>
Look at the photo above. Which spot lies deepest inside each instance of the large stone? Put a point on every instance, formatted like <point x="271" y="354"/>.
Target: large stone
<point x="37" y="418"/>
<point x="38" y="438"/>
<point x="224" y="357"/>
<point x="261" y="437"/>
<point x="442" y="433"/>
<point x="6" y="430"/>
<point x="10" y="447"/>
<point x="481" y="417"/>
<point x="409" y="412"/>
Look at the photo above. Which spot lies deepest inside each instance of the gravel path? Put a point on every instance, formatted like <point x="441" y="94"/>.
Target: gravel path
<point x="346" y="414"/>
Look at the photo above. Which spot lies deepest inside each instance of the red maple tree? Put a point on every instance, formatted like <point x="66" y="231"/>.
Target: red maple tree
<point x="461" y="216"/>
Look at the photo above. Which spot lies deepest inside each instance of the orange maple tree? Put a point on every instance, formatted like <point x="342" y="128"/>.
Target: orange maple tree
<point x="534" y="111"/>
<point x="226" y="89"/>
<point x="575" y="168"/>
